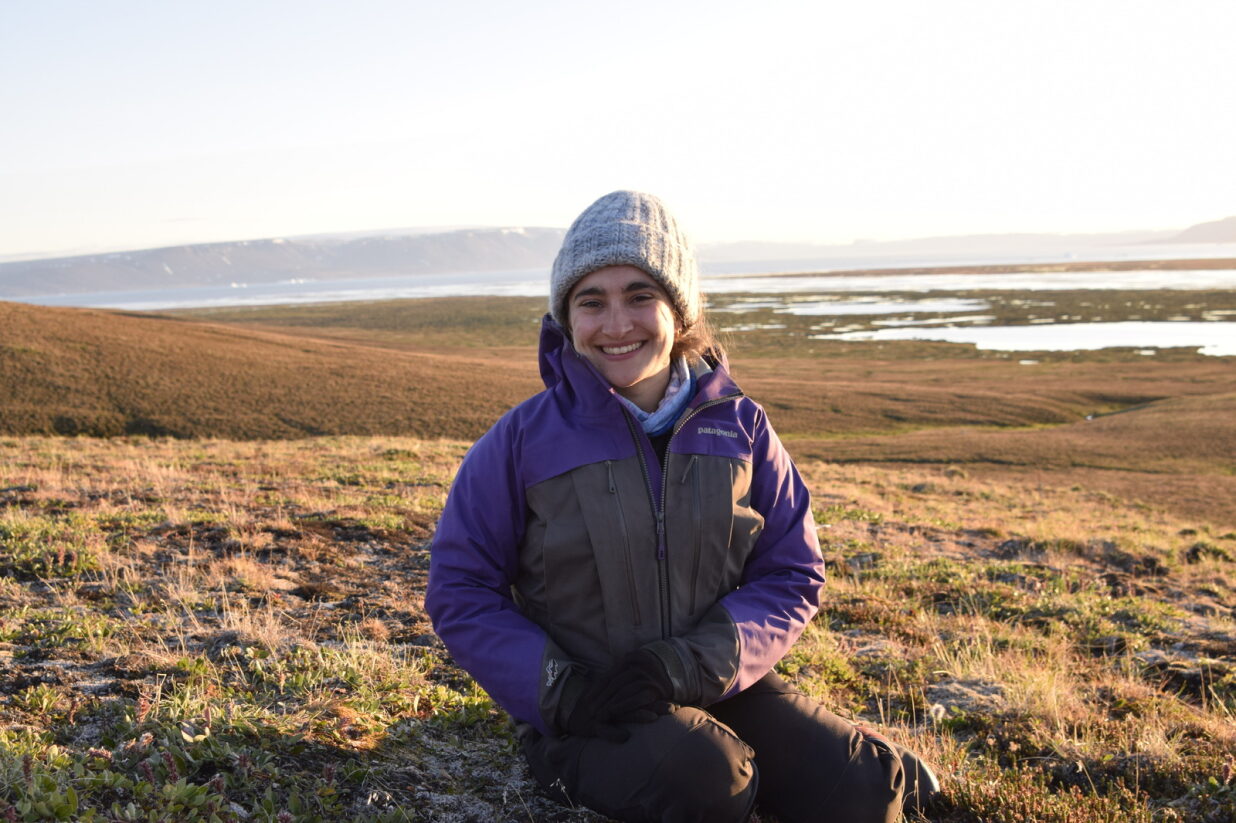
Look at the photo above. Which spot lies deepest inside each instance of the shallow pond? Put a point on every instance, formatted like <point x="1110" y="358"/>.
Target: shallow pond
<point x="1217" y="339"/>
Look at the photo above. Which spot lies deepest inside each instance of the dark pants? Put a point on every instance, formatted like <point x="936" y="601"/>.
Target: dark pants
<point x="769" y="743"/>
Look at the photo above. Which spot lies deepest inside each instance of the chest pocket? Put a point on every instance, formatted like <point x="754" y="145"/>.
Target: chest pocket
<point x="589" y="561"/>
<point x="711" y="528"/>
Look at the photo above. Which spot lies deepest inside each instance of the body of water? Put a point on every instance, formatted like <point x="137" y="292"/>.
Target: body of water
<point x="1217" y="339"/>
<point x="514" y="283"/>
<point x="535" y="283"/>
<point x="1149" y="279"/>
<point x="863" y="307"/>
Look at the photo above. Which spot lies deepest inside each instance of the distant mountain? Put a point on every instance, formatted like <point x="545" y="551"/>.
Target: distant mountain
<point x="433" y="251"/>
<point x="997" y="244"/>
<point x="1216" y="231"/>
<point x="324" y="257"/>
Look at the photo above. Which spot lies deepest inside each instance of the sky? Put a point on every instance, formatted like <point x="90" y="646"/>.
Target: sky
<point x="129" y="124"/>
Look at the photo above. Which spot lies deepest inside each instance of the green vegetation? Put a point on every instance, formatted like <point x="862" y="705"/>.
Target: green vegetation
<point x="246" y="640"/>
<point x="1033" y="565"/>
<point x="433" y="324"/>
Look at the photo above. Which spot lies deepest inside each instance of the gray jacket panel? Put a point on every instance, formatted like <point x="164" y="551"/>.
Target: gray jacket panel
<point x="592" y="578"/>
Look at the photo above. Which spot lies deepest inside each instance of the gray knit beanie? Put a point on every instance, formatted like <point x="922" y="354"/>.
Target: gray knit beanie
<point x="634" y="229"/>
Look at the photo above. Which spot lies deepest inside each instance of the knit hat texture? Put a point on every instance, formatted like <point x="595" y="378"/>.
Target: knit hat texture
<point x="628" y="228"/>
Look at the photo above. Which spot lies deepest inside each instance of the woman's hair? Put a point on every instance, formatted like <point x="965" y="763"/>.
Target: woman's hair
<point x="697" y="340"/>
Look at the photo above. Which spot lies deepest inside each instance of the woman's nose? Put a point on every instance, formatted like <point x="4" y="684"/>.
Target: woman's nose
<point x="617" y="321"/>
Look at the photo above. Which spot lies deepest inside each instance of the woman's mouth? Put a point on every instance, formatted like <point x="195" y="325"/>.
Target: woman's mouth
<point x="614" y="351"/>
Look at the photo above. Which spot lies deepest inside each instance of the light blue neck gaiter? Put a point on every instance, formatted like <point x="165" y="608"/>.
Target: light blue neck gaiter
<point x="678" y="393"/>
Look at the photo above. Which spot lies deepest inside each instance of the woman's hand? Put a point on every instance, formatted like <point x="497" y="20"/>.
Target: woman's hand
<point x="588" y="717"/>
<point x="636" y="690"/>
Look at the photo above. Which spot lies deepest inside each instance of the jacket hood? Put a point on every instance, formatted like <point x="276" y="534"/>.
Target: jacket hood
<point x="553" y="346"/>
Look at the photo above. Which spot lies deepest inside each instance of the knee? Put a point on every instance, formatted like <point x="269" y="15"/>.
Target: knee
<point x="860" y="781"/>
<point x="911" y="779"/>
<point x="875" y="781"/>
<point x="709" y="775"/>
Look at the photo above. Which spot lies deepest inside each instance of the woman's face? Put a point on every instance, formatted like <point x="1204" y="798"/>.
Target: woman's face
<point x="622" y="322"/>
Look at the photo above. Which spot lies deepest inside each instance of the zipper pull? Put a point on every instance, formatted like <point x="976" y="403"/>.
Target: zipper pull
<point x="609" y="466"/>
<point x="660" y="535"/>
<point x="690" y="463"/>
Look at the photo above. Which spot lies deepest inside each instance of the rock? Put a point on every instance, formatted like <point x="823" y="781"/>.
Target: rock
<point x="1152" y="657"/>
<point x="866" y="560"/>
<point x="1109" y="645"/>
<point x="220" y="643"/>
<point x="968" y="695"/>
<point x="1021" y="581"/>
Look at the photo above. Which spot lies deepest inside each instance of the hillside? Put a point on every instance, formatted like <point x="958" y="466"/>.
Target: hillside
<point x="1213" y="231"/>
<point x="79" y="371"/>
<point x="402" y="367"/>
<point x="450" y="367"/>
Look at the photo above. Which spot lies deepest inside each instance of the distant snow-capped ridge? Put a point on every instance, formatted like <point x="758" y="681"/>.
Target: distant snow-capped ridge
<point x="284" y="258"/>
<point x="393" y="252"/>
<point x="1215" y="231"/>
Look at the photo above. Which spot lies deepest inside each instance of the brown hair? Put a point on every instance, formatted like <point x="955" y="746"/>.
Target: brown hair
<point x="697" y="340"/>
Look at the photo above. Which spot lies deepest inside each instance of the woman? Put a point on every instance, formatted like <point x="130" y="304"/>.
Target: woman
<point x="624" y="557"/>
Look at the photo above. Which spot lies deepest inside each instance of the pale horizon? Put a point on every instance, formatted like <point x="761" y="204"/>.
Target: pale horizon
<point x="857" y="243"/>
<point x="133" y="125"/>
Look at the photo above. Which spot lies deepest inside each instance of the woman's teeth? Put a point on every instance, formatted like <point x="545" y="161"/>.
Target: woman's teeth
<point x="621" y="349"/>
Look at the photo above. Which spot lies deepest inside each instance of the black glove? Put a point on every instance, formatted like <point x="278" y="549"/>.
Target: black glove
<point x="587" y="717"/>
<point x="636" y="690"/>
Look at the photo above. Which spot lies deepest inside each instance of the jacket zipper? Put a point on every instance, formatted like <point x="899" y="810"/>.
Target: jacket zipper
<point x="626" y="542"/>
<point x="662" y="573"/>
<point x="659" y="511"/>
<point x="697" y="519"/>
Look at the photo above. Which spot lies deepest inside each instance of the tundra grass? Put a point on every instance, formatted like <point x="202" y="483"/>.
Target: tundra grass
<point x="234" y="631"/>
<point x="1144" y="427"/>
<point x="449" y="367"/>
<point x="750" y="325"/>
<point x="100" y="373"/>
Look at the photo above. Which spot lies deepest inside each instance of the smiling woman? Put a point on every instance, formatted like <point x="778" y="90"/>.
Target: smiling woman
<point x="622" y="323"/>
<point x="624" y="557"/>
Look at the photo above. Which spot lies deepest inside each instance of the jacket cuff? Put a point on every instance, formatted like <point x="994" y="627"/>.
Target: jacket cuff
<point x="686" y="687"/>
<point x="560" y="689"/>
<point x="572" y="687"/>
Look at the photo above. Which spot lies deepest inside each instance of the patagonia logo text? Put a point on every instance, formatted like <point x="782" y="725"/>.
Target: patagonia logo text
<point x="716" y="431"/>
<point x="552" y="670"/>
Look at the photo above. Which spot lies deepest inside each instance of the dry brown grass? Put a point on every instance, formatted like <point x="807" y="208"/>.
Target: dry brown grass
<point x="1044" y="603"/>
<point x="1177" y="453"/>
<point x="1062" y="654"/>
<point x="78" y="371"/>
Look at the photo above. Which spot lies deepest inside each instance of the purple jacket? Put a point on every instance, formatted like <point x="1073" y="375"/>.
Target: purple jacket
<point x="565" y="544"/>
